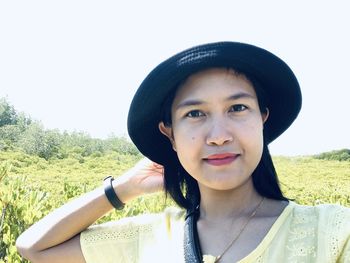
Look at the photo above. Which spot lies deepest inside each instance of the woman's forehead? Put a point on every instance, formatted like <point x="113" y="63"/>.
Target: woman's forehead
<point x="214" y="81"/>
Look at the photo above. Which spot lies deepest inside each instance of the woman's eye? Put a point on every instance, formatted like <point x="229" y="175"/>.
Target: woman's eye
<point x="194" y="114"/>
<point x="238" y="108"/>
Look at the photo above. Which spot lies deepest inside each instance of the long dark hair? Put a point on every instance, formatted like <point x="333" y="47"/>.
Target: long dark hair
<point x="183" y="188"/>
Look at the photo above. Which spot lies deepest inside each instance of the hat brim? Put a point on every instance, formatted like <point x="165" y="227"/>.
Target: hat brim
<point x="274" y="75"/>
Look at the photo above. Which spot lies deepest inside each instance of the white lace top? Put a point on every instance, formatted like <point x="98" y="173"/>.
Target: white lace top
<point x="300" y="234"/>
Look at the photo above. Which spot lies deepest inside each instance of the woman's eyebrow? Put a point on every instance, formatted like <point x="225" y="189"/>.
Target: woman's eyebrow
<point x="188" y="103"/>
<point x="195" y="102"/>
<point x="241" y="95"/>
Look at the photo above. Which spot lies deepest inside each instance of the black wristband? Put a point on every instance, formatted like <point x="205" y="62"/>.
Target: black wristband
<point x="110" y="193"/>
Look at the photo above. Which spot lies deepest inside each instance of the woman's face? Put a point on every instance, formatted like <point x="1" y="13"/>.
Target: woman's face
<point x="217" y="128"/>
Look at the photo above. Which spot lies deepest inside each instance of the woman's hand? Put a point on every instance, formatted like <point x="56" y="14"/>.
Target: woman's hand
<point x="144" y="178"/>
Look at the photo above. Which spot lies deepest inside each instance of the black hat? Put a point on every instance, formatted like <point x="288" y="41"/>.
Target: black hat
<point x="274" y="76"/>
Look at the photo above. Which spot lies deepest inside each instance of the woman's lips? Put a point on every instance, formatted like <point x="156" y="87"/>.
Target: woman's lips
<point x="221" y="159"/>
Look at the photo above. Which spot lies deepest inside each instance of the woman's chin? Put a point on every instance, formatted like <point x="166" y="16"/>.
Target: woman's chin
<point x="226" y="185"/>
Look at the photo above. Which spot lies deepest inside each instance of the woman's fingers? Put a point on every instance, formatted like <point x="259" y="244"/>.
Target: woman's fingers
<point x="145" y="177"/>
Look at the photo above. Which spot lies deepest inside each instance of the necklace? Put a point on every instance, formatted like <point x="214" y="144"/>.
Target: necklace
<point x="217" y="259"/>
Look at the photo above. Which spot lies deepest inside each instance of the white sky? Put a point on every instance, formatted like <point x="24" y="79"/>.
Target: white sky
<point x="75" y="65"/>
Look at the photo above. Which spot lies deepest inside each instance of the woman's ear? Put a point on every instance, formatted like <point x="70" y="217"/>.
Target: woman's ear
<point x="168" y="132"/>
<point x="265" y="115"/>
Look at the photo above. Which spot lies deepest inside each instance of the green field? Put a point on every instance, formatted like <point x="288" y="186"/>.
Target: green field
<point x="32" y="186"/>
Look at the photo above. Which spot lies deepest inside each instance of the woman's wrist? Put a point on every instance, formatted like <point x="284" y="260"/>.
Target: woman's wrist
<point x="111" y="194"/>
<point x="124" y="190"/>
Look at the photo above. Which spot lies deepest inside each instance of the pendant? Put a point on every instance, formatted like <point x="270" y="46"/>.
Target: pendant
<point x="209" y="259"/>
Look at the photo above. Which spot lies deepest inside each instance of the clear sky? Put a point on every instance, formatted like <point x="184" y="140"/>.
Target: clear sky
<point x="75" y="65"/>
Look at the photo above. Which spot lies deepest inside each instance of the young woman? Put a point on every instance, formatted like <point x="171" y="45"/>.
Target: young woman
<point x="205" y="118"/>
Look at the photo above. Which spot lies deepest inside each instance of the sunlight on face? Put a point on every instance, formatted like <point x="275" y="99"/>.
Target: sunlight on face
<point x="217" y="128"/>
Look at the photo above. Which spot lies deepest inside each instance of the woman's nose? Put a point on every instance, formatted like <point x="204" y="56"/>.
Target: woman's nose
<point x="218" y="134"/>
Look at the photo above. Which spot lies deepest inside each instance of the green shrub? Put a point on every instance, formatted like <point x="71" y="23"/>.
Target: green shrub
<point x="337" y="155"/>
<point x="20" y="207"/>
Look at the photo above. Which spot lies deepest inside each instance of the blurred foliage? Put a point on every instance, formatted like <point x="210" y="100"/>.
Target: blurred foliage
<point x="20" y="207"/>
<point x="8" y="114"/>
<point x="20" y="133"/>
<point x="338" y="155"/>
<point x="313" y="181"/>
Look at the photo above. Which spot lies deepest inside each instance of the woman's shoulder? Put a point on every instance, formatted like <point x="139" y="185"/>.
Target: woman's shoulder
<point x="174" y="214"/>
<point x="125" y="238"/>
<point x="131" y="227"/>
<point x="329" y="216"/>
<point x="327" y="223"/>
<point x="318" y="233"/>
<point x="322" y="212"/>
<point x="169" y="213"/>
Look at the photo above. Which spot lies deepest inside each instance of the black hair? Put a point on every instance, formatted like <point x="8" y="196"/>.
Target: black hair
<point x="183" y="188"/>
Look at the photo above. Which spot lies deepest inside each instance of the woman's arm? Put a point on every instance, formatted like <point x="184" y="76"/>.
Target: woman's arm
<point x="55" y="238"/>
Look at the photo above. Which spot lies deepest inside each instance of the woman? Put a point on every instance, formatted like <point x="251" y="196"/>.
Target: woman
<point x="204" y="117"/>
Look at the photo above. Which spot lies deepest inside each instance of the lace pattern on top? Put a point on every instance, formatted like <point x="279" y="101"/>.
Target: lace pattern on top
<point x="302" y="235"/>
<point x="337" y="245"/>
<point x="125" y="229"/>
<point x="304" y="230"/>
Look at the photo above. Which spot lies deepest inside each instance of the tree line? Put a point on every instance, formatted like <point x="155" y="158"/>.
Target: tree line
<point x="19" y="132"/>
<point x="338" y="155"/>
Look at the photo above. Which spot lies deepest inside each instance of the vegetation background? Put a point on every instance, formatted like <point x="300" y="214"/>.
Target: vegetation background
<point x="42" y="169"/>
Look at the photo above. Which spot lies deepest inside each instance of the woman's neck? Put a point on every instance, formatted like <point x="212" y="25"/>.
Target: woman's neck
<point x="220" y="205"/>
